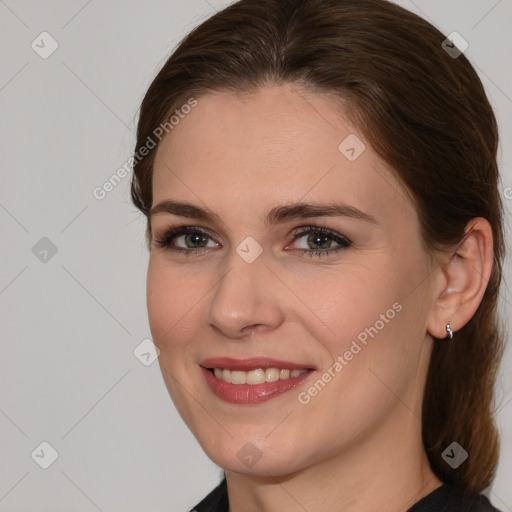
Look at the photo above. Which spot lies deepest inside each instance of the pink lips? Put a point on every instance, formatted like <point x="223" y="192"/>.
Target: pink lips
<point x="250" y="393"/>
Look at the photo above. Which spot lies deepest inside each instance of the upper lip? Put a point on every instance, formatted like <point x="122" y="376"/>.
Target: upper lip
<point x="252" y="363"/>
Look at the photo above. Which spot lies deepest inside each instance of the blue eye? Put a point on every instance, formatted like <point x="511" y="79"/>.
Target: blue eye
<point x="319" y="241"/>
<point x="194" y="238"/>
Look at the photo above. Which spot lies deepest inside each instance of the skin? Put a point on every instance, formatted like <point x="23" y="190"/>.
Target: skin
<point x="357" y="442"/>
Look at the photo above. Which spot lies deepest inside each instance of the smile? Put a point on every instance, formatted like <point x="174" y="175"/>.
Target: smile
<point x="250" y="381"/>
<point x="258" y="376"/>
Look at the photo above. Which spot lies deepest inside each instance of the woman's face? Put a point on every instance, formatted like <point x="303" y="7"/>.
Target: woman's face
<point x="257" y="295"/>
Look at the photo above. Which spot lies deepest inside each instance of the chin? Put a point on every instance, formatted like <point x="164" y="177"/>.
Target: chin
<point x="273" y="466"/>
<point x="259" y="457"/>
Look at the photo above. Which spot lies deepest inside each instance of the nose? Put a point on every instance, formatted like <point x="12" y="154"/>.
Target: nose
<point x="246" y="299"/>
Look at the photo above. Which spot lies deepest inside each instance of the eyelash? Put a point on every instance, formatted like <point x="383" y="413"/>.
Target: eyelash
<point x="169" y="235"/>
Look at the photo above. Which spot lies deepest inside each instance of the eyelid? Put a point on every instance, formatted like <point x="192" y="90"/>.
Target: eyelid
<point x="312" y="227"/>
<point x="175" y="231"/>
<point x="171" y="233"/>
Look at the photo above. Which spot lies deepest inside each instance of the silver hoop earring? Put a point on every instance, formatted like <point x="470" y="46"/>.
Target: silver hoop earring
<point x="449" y="332"/>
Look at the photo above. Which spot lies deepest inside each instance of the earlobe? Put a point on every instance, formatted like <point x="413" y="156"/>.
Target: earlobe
<point x="466" y="275"/>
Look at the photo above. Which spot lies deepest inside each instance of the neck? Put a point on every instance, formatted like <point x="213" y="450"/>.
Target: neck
<point x="387" y="471"/>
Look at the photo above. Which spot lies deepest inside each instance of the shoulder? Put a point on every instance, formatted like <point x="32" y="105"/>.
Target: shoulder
<point x="216" y="501"/>
<point x="482" y="504"/>
<point x="447" y="498"/>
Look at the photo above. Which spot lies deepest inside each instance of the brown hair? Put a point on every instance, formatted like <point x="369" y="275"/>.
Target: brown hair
<point x="423" y="111"/>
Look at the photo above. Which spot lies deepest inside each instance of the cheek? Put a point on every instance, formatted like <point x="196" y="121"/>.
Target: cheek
<point x="356" y="301"/>
<point x="374" y="323"/>
<point x="171" y="297"/>
<point x="172" y="300"/>
<point x="385" y="335"/>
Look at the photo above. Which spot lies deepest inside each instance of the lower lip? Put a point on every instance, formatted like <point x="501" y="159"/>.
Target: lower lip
<point x="251" y="393"/>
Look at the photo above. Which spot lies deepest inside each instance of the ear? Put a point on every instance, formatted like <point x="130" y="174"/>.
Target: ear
<point x="466" y="275"/>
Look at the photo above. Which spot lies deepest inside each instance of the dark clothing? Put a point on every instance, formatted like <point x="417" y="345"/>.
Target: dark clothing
<point x="443" y="499"/>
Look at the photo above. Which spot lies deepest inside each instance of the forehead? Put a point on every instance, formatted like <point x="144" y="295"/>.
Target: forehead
<point x="279" y="144"/>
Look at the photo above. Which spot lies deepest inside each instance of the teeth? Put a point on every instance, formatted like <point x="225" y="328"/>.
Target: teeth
<point x="255" y="376"/>
<point x="271" y="374"/>
<point x="284" y="374"/>
<point x="238" y="377"/>
<point x="258" y="376"/>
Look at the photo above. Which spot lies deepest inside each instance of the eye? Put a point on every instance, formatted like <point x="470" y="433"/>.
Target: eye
<point x="185" y="239"/>
<point x="318" y="241"/>
<point x="190" y="240"/>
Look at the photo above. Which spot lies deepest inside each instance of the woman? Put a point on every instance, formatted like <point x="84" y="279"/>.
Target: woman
<point x="325" y="232"/>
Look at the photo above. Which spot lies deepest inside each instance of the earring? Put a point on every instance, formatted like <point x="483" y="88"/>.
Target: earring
<point x="449" y="332"/>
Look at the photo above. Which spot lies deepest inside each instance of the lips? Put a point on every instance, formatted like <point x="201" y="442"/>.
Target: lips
<point x="258" y="376"/>
<point x="251" y="364"/>
<point x="246" y="381"/>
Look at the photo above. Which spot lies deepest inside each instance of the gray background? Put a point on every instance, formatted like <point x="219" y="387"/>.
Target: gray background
<point x="70" y="324"/>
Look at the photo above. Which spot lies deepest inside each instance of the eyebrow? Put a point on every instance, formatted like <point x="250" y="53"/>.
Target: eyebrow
<point x="276" y="215"/>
